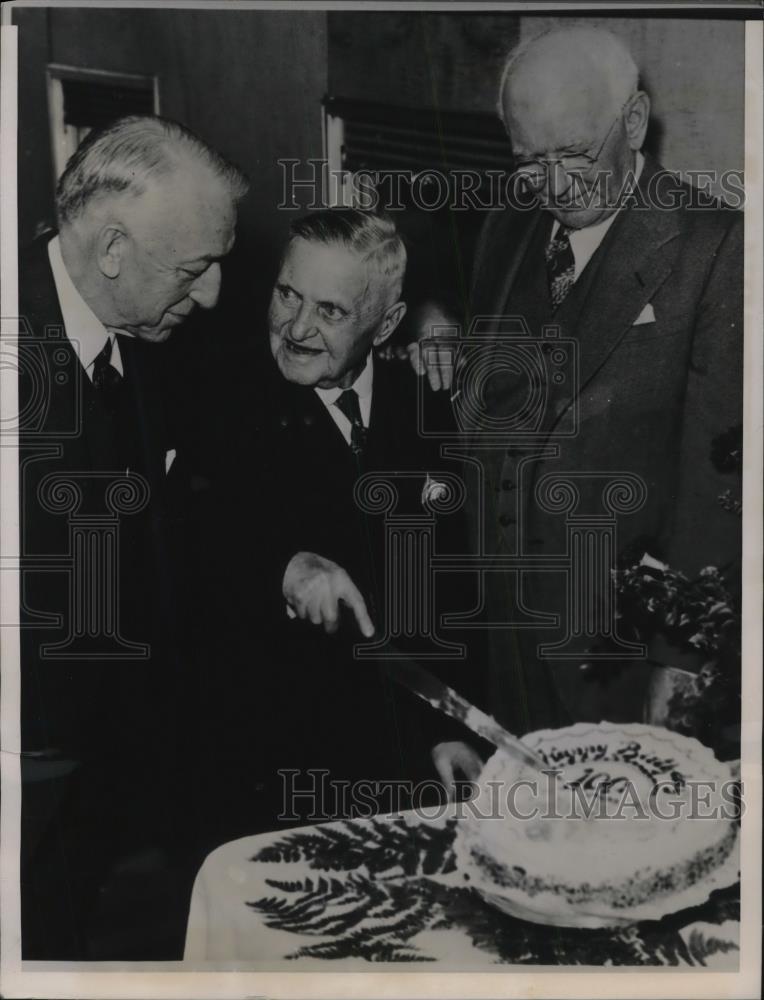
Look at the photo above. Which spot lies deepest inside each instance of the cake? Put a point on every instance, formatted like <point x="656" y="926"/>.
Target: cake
<point x="635" y="821"/>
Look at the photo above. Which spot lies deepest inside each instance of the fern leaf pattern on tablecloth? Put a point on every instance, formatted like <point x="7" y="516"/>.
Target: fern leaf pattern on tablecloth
<point x="379" y="846"/>
<point x="367" y="894"/>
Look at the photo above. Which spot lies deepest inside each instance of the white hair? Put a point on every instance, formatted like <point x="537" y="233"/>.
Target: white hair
<point x="125" y="155"/>
<point x="602" y="47"/>
<point x="373" y="236"/>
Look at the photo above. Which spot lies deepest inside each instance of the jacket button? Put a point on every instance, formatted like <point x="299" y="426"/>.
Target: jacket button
<point x="506" y="519"/>
<point x="507" y="484"/>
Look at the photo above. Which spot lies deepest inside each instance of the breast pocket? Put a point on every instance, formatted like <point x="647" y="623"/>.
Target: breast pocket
<point x="648" y="333"/>
<point x="663" y="319"/>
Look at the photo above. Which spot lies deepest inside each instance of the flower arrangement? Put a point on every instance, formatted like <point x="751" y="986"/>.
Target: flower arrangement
<point x="692" y="615"/>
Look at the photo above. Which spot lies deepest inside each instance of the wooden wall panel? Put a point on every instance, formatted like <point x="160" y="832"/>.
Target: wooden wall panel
<point x="419" y="60"/>
<point x="250" y="82"/>
<point x="115" y="39"/>
<point x="35" y="164"/>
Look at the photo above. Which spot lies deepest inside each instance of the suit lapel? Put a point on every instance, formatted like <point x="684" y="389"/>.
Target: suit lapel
<point x="142" y="382"/>
<point x="302" y="414"/>
<point x="627" y="279"/>
<point x="515" y="231"/>
<point x="636" y="259"/>
<point x="381" y="415"/>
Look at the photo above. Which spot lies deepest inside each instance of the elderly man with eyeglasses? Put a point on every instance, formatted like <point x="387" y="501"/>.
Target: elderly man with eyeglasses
<point x="641" y="278"/>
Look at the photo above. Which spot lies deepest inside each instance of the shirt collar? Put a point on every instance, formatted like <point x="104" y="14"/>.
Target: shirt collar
<point x="84" y="330"/>
<point x="362" y="385"/>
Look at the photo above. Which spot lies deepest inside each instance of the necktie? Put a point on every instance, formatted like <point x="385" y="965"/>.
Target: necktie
<point x="104" y="431"/>
<point x="105" y="375"/>
<point x="349" y="405"/>
<point x="560" y="265"/>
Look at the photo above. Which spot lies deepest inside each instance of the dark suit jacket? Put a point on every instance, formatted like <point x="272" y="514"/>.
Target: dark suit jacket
<point x="314" y="472"/>
<point x="650" y="396"/>
<point x="105" y="727"/>
<point x="290" y="695"/>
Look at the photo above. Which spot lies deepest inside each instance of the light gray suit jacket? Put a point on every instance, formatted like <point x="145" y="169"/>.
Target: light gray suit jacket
<point x="649" y="399"/>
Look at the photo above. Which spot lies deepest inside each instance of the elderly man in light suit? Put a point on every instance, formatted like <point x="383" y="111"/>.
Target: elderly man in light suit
<point x="645" y="276"/>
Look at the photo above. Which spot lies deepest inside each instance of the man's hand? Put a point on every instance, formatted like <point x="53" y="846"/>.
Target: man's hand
<point x="450" y="758"/>
<point x="314" y="587"/>
<point x="426" y="354"/>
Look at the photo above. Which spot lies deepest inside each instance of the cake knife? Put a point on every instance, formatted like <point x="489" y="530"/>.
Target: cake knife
<point x="442" y="697"/>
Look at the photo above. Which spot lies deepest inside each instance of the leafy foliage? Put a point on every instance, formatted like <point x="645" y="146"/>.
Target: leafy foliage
<point x="702" y="947"/>
<point x="691" y="614"/>
<point x="698" y="615"/>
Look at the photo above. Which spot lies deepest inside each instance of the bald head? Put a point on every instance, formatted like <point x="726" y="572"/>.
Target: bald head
<point x="584" y="67"/>
<point x="572" y="92"/>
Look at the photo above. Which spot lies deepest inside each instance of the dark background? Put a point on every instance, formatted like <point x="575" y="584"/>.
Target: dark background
<point x="252" y="82"/>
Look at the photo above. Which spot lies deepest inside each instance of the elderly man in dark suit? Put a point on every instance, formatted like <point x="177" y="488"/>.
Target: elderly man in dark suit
<point x="326" y="412"/>
<point x="644" y="275"/>
<point x="146" y="210"/>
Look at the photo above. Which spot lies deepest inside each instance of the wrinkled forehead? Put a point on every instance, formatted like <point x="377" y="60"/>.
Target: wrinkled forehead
<point x="327" y="271"/>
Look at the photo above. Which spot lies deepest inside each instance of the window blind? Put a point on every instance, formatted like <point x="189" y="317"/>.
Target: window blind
<point x="381" y="137"/>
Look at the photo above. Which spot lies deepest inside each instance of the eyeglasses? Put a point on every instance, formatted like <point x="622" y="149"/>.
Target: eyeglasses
<point x="576" y="165"/>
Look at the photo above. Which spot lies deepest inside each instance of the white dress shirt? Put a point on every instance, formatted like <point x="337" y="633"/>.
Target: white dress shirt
<point x="85" y="332"/>
<point x="363" y="386"/>
<point x="584" y="242"/>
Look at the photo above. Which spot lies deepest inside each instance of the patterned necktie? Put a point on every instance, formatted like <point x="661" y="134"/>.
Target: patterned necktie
<point x="560" y="266"/>
<point x="349" y="405"/>
<point x="105" y="375"/>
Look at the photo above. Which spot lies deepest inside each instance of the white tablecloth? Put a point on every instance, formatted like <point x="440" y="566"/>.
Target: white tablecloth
<point x="385" y="890"/>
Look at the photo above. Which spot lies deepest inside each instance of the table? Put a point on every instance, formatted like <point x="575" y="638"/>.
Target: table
<point x="345" y="894"/>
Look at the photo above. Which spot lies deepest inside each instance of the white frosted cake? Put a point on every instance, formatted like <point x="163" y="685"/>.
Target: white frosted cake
<point x="637" y="822"/>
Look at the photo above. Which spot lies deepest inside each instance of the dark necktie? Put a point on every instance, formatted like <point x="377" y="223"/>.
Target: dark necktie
<point x="349" y="405"/>
<point x="103" y="413"/>
<point x="106" y="378"/>
<point x="560" y="266"/>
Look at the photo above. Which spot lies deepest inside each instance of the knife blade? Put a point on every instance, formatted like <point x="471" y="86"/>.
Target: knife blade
<point x="431" y="689"/>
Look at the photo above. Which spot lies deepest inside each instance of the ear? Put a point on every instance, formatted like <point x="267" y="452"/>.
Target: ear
<point x="111" y="246"/>
<point x="636" y="116"/>
<point x="393" y="316"/>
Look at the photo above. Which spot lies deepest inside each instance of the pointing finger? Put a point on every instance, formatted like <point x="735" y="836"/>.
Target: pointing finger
<point x="351" y="595"/>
